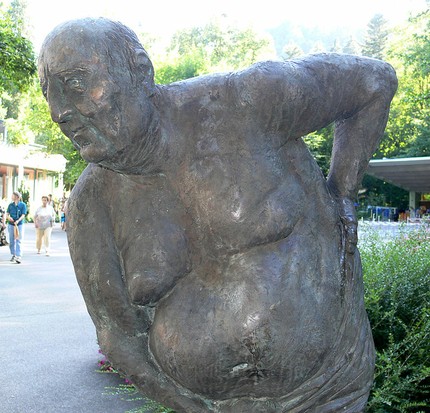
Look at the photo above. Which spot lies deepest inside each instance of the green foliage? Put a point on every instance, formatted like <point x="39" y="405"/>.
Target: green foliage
<point x="291" y="50"/>
<point x="220" y="46"/>
<point x="74" y="167"/>
<point x="183" y="67"/>
<point x="210" y="48"/>
<point x="379" y="193"/>
<point x="320" y="144"/>
<point x="352" y="47"/>
<point x="397" y="294"/>
<point x="416" y="58"/>
<point x="128" y="392"/>
<point x="408" y="130"/>
<point x="376" y="38"/>
<point x="305" y="37"/>
<point x="17" y="63"/>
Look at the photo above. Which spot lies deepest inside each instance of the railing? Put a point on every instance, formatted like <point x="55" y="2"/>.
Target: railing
<point x="388" y="229"/>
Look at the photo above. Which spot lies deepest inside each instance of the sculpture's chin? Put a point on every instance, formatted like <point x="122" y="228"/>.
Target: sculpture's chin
<point x="93" y="153"/>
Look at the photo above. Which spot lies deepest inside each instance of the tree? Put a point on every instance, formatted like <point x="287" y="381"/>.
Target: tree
<point x="408" y="129"/>
<point x="416" y="58"/>
<point x="318" y="47"/>
<point x="320" y="144"/>
<point x="182" y="67"/>
<point x="17" y="63"/>
<point x="291" y="50"/>
<point x="352" y="47"/>
<point x="375" y="41"/>
<point x="215" y="47"/>
<point x="336" y="48"/>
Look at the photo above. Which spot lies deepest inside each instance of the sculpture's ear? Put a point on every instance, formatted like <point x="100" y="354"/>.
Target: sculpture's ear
<point x="145" y="71"/>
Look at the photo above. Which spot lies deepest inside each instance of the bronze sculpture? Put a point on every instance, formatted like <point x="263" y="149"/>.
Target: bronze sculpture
<point x="210" y="284"/>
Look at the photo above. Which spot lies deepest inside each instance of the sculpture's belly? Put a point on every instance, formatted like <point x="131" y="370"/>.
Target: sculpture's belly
<point x="257" y="326"/>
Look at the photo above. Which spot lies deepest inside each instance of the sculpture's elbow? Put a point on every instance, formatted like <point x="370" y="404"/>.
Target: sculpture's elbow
<point x="392" y="81"/>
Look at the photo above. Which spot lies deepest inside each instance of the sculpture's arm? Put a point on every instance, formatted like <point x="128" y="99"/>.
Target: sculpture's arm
<point x="94" y="254"/>
<point x="361" y="125"/>
<point x="122" y="326"/>
<point x="357" y="135"/>
<point x="355" y="93"/>
<point x="358" y="91"/>
<point x="297" y="97"/>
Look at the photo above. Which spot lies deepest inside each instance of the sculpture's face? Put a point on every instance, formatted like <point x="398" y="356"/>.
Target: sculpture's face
<point x="94" y="103"/>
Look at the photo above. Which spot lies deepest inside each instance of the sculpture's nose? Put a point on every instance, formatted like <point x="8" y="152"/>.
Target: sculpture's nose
<point x="61" y="117"/>
<point x="60" y="106"/>
<point x="60" y="112"/>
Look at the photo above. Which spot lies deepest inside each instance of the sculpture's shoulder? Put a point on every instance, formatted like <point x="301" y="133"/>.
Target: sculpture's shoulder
<point x="91" y="178"/>
<point x="248" y="92"/>
<point x="201" y="89"/>
<point x="257" y="71"/>
<point x="90" y="189"/>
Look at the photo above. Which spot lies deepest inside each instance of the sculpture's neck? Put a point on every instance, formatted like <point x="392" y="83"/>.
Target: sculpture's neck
<point x="146" y="155"/>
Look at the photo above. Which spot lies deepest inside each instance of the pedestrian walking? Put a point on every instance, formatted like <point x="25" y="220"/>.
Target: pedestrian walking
<point x="44" y="220"/>
<point x="15" y="216"/>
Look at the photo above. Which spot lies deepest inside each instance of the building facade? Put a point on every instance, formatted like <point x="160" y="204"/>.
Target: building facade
<point x="28" y="166"/>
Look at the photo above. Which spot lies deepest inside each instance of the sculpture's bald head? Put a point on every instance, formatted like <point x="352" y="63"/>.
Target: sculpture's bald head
<point x="98" y="81"/>
<point x="98" y="39"/>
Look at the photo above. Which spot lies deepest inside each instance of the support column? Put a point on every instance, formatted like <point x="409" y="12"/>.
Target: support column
<point x="9" y="182"/>
<point x="60" y="184"/>
<point x="20" y="174"/>
<point x="412" y="200"/>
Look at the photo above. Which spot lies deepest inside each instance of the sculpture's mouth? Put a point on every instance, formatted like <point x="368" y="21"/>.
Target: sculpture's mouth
<point x="90" y="150"/>
<point x="79" y="140"/>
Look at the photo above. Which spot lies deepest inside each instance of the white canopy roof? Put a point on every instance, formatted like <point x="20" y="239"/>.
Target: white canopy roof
<point x="411" y="174"/>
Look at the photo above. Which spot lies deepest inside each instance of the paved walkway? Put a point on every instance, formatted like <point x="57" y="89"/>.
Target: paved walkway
<point x="48" y="345"/>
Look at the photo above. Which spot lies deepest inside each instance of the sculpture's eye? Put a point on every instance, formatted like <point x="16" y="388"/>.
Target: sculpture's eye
<point x="76" y="84"/>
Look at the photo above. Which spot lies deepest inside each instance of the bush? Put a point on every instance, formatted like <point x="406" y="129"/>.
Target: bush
<point x="397" y="295"/>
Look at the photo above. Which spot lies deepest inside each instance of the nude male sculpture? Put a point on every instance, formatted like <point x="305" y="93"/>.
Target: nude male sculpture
<point x="211" y="283"/>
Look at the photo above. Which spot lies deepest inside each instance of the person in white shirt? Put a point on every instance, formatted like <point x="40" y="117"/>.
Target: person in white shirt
<point x="44" y="220"/>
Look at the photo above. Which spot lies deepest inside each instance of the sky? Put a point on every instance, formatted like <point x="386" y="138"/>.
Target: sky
<point x="163" y="17"/>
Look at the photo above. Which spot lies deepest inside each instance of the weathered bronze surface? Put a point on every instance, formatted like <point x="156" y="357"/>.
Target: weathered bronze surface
<point x="218" y="264"/>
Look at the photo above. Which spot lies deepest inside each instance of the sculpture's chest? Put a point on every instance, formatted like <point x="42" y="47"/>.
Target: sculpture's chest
<point x="150" y="230"/>
<point x="239" y="201"/>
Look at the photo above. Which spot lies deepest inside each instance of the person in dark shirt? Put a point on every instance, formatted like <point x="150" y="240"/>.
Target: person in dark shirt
<point x="15" y="216"/>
